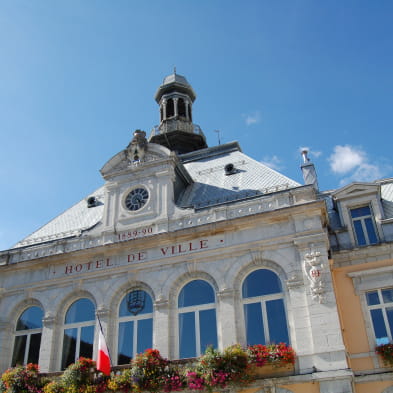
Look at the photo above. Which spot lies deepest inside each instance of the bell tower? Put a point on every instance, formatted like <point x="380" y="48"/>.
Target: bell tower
<point x="176" y="130"/>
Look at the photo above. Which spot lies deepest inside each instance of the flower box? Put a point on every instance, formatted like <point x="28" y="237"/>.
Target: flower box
<point x="271" y="371"/>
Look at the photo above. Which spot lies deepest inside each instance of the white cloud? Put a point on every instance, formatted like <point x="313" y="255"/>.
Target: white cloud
<point x="252" y="118"/>
<point x="353" y="162"/>
<point x="346" y="158"/>
<point x="272" y="162"/>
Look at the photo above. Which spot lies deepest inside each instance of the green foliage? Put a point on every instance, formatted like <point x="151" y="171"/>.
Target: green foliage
<point x="386" y="351"/>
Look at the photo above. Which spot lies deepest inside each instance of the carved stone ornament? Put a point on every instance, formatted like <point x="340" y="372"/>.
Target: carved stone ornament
<point x="313" y="268"/>
<point x="137" y="148"/>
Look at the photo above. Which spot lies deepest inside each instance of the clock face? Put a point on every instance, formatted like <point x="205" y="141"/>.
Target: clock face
<point x="137" y="198"/>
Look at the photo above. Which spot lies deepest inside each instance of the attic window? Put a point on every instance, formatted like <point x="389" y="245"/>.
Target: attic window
<point x="229" y="169"/>
<point x="92" y="202"/>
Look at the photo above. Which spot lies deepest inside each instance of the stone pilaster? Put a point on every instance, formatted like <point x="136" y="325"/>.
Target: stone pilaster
<point x="47" y="350"/>
<point x="161" y="334"/>
<point x="226" y="318"/>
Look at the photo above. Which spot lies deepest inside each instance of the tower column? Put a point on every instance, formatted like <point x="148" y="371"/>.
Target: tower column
<point x="175" y="103"/>
<point x="164" y="109"/>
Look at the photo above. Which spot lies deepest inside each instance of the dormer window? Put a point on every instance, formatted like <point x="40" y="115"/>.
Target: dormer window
<point x="363" y="225"/>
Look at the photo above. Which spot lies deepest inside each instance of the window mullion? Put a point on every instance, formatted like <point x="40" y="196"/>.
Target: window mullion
<point x="78" y="341"/>
<point x="265" y="322"/>
<point x="364" y="228"/>
<point x="135" y="338"/>
<point x="27" y="348"/>
<point x="197" y="334"/>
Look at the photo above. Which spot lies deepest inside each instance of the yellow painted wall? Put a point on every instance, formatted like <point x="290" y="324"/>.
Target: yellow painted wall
<point x="372" y="387"/>
<point x="351" y="313"/>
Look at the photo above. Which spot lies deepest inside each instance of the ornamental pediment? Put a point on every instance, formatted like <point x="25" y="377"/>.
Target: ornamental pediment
<point x="356" y="190"/>
<point x="134" y="158"/>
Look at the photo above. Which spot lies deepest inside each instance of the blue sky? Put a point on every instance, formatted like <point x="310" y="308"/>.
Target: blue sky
<point x="77" y="77"/>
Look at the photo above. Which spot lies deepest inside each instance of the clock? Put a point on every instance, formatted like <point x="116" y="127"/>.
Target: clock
<point x="136" y="199"/>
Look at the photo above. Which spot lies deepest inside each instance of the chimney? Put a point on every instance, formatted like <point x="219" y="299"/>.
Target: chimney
<point x="308" y="170"/>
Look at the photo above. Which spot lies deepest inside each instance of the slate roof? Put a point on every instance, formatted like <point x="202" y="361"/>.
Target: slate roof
<point x="387" y="197"/>
<point x="70" y="223"/>
<point x="212" y="186"/>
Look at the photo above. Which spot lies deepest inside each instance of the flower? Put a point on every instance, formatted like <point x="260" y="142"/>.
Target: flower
<point x="386" y="351"/>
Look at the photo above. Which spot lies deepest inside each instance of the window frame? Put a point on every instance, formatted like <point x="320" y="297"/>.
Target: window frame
<point x="135" y="319"/>
<point x="362" y="220"/>
<point x="28" y="333"/>
<point x="79" y="326"/>
<point x="195" y="309"/>
<point x="262" y="300"/>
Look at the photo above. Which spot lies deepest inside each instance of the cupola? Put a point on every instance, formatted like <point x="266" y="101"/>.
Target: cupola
<point x="176" y="131"/>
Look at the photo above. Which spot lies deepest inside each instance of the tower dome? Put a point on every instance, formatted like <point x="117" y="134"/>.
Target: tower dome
<point x="176" y="130"/>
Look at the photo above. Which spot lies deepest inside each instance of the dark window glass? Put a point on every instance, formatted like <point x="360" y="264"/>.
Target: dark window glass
<point x="387" y="295"/>
<point x="261" y="282"/>
<point x="125" y="347"/>
<point x="187" y="335"/>
<point x="69" y="347"/>
<point x="196" y="292"/>
<point x="133" y="299"/>
<point x="208" y="329"/>
<point x="277" y="321"/>
<point x="389" y="314"/>
<point x="145" y="334"/>
<point x="30" y="319"/>
<point x="80" y="311"/>
<point x="378" y="323"/>
<point x="181" y="107"/>
<point x="372" y="236"/>
<point x="361" y="239"/>
<point x="254" y="324"/>
<point x="34" y="350"/>
<point x="360" y="212"/>
<point x="372" y="298"/>
<point x="86" y="342"/>
<point x="170" y="108"/>
<point x="19" y="350"/>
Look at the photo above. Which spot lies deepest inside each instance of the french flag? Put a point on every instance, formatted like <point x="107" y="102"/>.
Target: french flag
<point x="103" y="358"/>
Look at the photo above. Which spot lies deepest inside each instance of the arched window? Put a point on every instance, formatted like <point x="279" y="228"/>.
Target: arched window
<point x="197" y="319"/>
<point x="135" y="325"/>
<point x="181" y="107"/>
<point x="170" y="108"/>
<point x="264" y="310"/>
<point x="78" y="332"/>
<point x="28" y="337"/>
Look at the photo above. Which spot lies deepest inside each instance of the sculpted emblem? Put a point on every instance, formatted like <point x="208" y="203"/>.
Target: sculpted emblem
<point x="136" y="150"/>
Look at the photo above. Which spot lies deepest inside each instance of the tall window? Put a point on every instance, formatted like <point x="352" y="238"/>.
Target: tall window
<point x="78" y="332"/>
<point x="264" y="310"/>
<point x="197" y="319"/>
<point x="363" y="225"/>
<point x="380" y="305"/>
<point x="28" y="337"/>
<point x="135" y="325"/>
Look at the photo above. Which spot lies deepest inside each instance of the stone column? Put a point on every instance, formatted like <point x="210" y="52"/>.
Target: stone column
<point x="6" y="342"/>
<point x="226" y="318"/>
<point x="48" y="351"/>
<point x="164" y="110"/>
<point x="175" y="102"/>
<point x="161" y="327"/>
<point x="322" y="331"/>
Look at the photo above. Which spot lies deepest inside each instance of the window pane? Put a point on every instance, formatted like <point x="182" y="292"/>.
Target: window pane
<point x="34" y="350"/>
<point x="387" y="295"/>
<point x="361" y="212"/>
<point x="361" y="240"/>
<point x="372" y="298"/>
<point x="80" y="311"/>
<point x="69" y="347"/>
<point x="30" y="319"/>
<point x="378" y="323"/>
<point x="254" y="324"/>
<point x="207" y="329"/>
<point x="261" y="282"/>
<point x="277" y="321"/>
<point x="145" y="334"/>
<point x="196" y="292"/>
<point x="187" y="341"/>
<point x="125" y="347"/>
<point x="86" y="343"/>
<point x="139" y="303"/>
<point x="372" y="236"/>
<point x="19" y="350"/>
